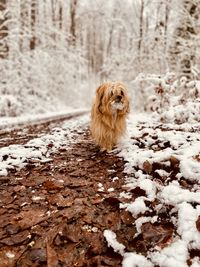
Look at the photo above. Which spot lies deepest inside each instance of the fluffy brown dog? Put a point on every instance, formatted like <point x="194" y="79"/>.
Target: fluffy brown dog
<point x="108" y="115"/>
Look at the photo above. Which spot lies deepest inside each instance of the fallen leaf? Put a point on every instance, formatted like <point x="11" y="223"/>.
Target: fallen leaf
<point x="137" y="191"/>
<point x="157" y="234"/>
<point x="147" y="167"/>
<point x="96" y="200"/>
<point x="113" y="201"/>
<point x="53" y="185"/>
<point x="97" y="245"/>
<point x="197" y="157"/>
<point x="112" y="220"/>
<point x="38" y="255"/>
<point x="126" y="217"/>
<point x="60" y="201"/>
<point x="174" y="161"/>
<point x="52" y="259"/>
<point x="29" y="218"/>
<point x="12" y="229"/>
<point x="198" y="224"/>
<point x="72" y="233"/>
<point x="23" y="236"/>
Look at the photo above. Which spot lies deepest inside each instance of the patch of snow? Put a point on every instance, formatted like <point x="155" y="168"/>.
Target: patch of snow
<point x="100" y="187"/>
<point x="37" y="198"/>
<point x="175" y="254"/>
<point x="187" y="217"/>
<point x="90" y="228"/>
<point x="10" y="255"/>
<point x="148" y="142"/>
<point x="195" y="262"/>
<point x="39" y="149"/>
<point x="111" y="239"/>
<point x="125" y="195"/>
<point x="13" y="122"/>
<point x="132" y="259"/>
<point x="173" y="194"/>
<point x="136" y="207"/>
<point x="111" y="189"/>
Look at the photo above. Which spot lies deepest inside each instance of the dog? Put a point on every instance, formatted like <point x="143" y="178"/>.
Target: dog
<point x="108" y="114"/>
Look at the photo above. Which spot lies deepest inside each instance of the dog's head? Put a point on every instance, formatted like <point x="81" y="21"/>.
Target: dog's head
<point x="111" y="98"/>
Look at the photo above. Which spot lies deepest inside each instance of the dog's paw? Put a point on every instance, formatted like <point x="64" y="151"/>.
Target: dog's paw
<point x="103" y="149"/>
<point x="106" y="149"/>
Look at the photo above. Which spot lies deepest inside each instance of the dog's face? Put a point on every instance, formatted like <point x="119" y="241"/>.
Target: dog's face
<point x="112" y="98"/>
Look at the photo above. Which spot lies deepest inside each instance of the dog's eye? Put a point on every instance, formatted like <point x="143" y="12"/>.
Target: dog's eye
<point x="122" y="93"/>
<point x="111" y="93"/>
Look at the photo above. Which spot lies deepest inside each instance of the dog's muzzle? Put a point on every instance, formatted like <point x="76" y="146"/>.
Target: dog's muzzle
<point x="117" y="105"/>
<point x="118" y="99"/>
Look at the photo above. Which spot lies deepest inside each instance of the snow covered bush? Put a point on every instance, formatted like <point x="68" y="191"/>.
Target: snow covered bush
<point x="9" y="106"/>
<point x="39" y="81"/>
<point x="171" y="99"/>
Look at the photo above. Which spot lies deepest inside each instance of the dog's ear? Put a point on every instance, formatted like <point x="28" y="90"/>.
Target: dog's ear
<point x="128" y="107"/>
<point x="99" y="97"/>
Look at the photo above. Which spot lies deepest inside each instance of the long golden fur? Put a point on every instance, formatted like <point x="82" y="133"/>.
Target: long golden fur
<point x="108" y="115"/>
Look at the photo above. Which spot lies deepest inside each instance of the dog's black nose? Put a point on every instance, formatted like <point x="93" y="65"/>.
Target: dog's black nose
<point x="118" y="98"/>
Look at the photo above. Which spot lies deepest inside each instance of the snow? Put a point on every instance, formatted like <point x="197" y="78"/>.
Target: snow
<point x="136" y="207"/>
<point x="110" y="237"/>
<point x="182" y="150"/>
<point x="195" y="262"/>
<point x="173" y="194"/>
<point x="187" y="224"/>
<point x="49" y="62"/>
<point x="174" y="255"/>
<point x="111" y="189"/>
<point x="10" y="255"/>
<point x="89" y="228"/>
<point x="7" y="122"/>
<point x="135" y="260"/>
<point x="38" y="149"/>
<point x="178" y="143"/>
<point x="101" y="187"/>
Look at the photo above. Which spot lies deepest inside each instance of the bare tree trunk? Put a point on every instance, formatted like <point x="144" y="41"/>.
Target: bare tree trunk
<point x="167" y="10"/>
<point x="33" y="24"/>
<point x="182" y="52"/>
<point x="25" y="40"/>
<point x="73" y="21"/>
<point x="141" y="30"/>
<point x="3" y="30"/>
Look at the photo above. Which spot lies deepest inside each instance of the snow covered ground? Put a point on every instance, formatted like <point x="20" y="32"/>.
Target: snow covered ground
<point x="39" y="149"/>
<point x="163" y="161"/>
<point x="13" y="122"/>
<point x="176" y="184"/>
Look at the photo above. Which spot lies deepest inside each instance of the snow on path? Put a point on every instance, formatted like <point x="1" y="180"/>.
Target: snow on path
<point x="39" y="149"/>
<point x="14" y="122"/>
<point x="183" y="146"/>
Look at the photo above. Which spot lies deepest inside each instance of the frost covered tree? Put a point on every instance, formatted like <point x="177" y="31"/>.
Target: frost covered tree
<point x="3" y="29"/>
<point x="184" y="46"/>
<point x="49" y="47"/>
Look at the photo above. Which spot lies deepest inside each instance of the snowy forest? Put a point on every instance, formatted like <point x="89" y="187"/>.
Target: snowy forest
<point x="54" y="53"/>
<point x="115" y="183"/>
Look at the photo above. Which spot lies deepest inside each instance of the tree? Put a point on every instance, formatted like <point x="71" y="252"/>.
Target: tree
<point x="3" y="29"/>
<point x="73" y="7"/>
<point x="182" y="52"/>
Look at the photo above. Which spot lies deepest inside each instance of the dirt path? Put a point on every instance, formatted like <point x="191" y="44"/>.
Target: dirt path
<point x="54" y="211"/>
<point x="54" y="214"/>
<point x="21" y="133"/>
